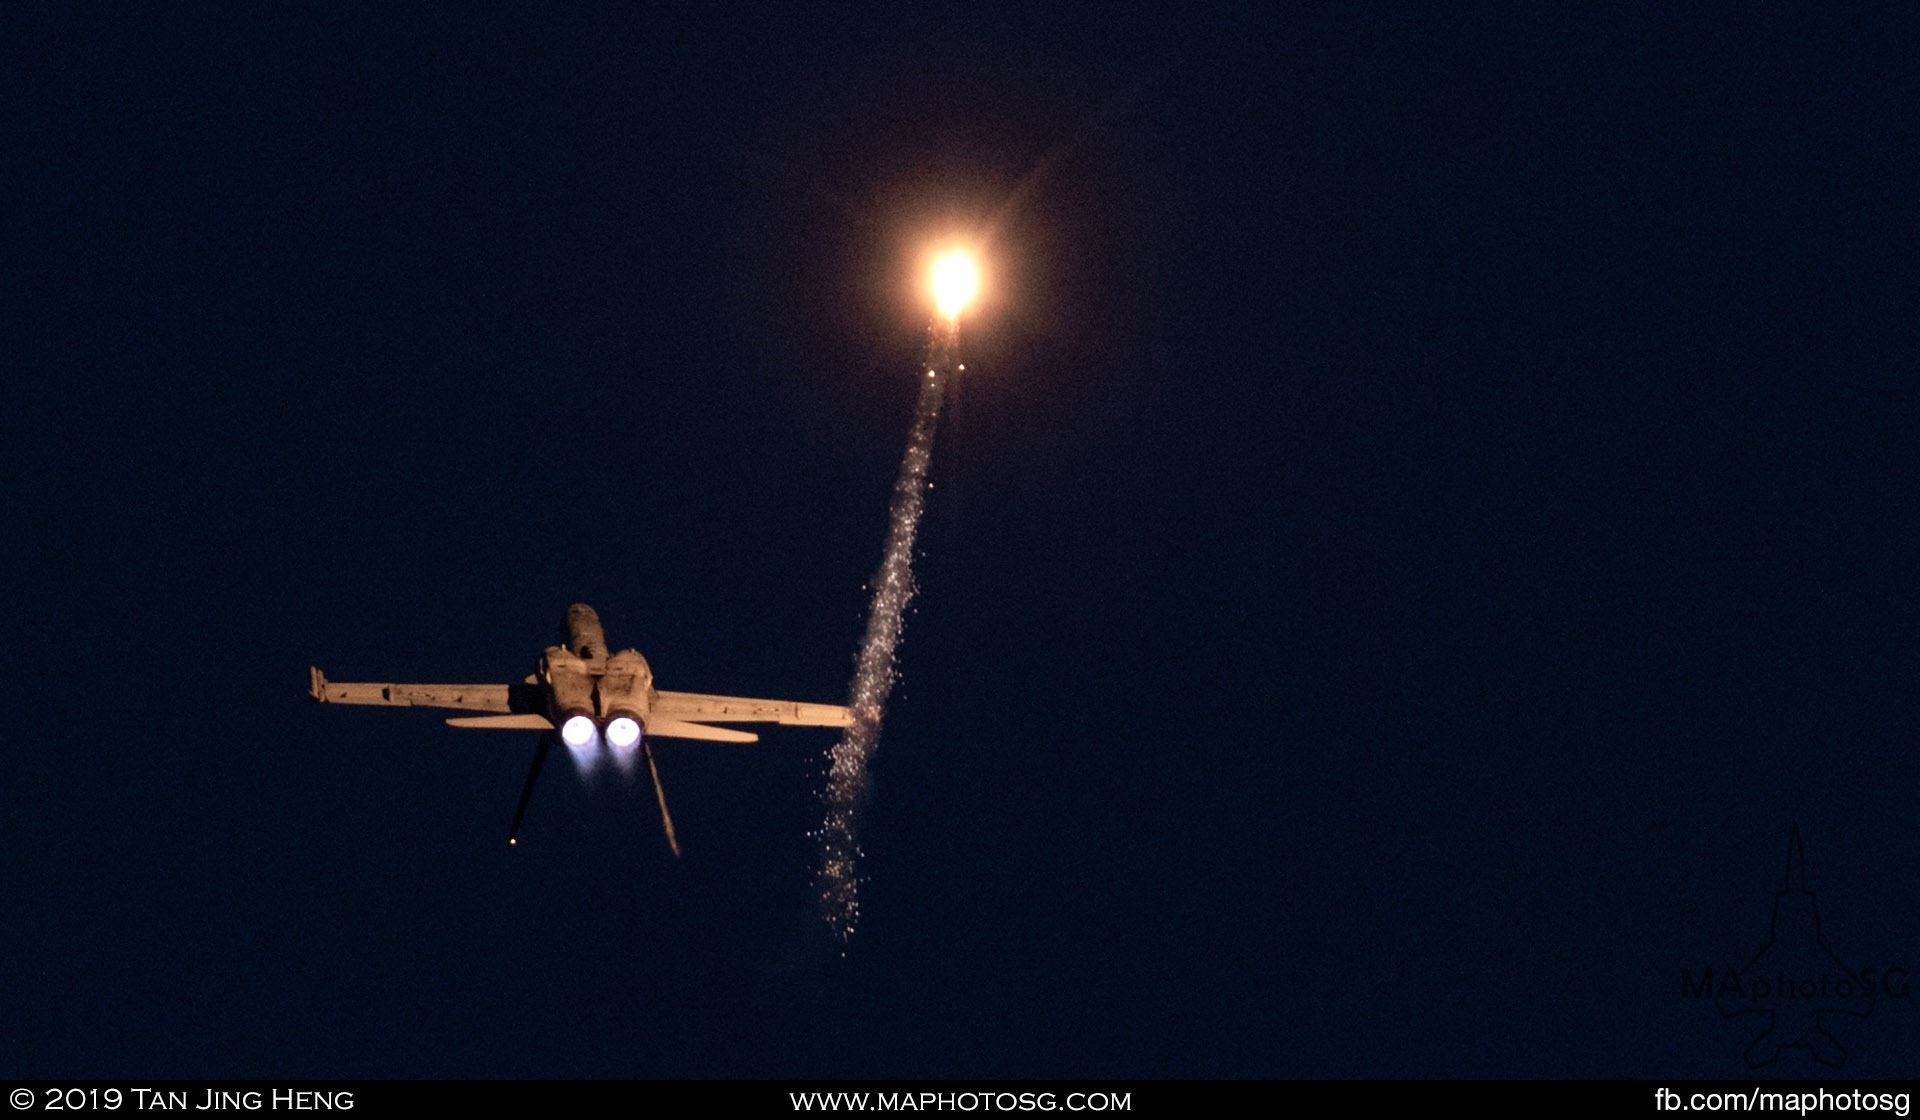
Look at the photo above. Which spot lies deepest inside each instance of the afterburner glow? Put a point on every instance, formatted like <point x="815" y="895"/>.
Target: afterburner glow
<point x="624" y="748"/>
<point x="623" y="733"/>
<point x="955" y="280"/>
<point x="577" y="733"/>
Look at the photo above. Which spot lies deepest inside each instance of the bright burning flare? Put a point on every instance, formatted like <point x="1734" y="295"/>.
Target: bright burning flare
<point x="955" y="279"/>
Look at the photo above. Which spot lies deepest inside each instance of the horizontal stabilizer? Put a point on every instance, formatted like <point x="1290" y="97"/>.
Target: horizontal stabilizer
<point x="658" y="728"/>
<point x="526" y="722"/>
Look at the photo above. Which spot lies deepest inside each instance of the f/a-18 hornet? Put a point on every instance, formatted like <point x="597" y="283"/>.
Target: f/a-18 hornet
<point x="601" y="705"/>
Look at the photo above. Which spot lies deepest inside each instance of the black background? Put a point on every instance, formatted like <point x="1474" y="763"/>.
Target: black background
<point x="1431" y="506"/>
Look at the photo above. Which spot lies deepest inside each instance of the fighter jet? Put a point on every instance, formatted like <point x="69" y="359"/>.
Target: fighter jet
<point x="601" y="705"/>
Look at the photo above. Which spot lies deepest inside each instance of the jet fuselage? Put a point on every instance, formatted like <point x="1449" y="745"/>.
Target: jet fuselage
<point x="592" y="694"/>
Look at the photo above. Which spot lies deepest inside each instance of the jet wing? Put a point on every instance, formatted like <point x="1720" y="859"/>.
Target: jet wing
<point x="517" y="698"/>
<point x="696" y="707"/>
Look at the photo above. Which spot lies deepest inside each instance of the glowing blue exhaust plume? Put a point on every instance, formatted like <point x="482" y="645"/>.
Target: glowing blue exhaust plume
<point x="623" y="742"/>
<point x="577" y="732"/>
<point x="583" y="741"/>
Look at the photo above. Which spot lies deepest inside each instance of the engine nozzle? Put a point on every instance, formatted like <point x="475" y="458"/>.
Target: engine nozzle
<point x="582" y="737"/>
<point x="623" y="741"/>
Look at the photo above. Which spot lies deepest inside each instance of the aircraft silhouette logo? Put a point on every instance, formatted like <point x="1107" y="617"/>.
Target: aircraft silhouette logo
<point x="1795" y="980"/>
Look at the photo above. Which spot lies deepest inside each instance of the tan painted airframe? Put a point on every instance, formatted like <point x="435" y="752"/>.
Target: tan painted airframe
<point x="582" y="679"/>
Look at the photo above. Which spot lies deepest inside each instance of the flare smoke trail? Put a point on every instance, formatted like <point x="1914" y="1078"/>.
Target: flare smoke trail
<point x="839" y="877"/>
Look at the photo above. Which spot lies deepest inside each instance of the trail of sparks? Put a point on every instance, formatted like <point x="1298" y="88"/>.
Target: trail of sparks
<point x="838" y="879"/>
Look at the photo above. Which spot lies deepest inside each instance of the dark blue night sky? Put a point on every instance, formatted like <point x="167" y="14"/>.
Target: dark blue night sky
<point x="1432" y="506"/>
